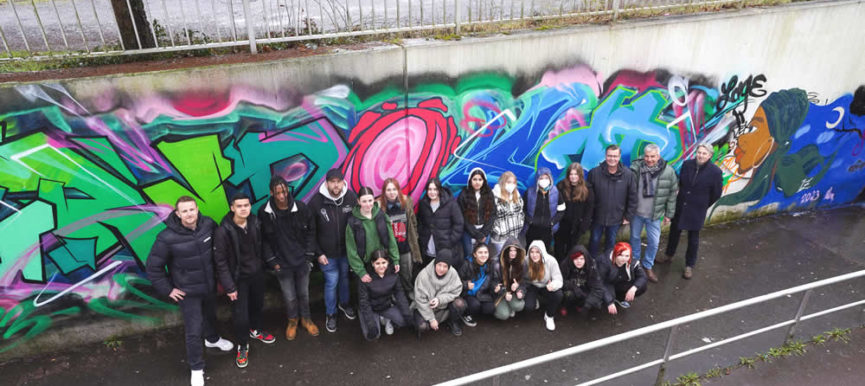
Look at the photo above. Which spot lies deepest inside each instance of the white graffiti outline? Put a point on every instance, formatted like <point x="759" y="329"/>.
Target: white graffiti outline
<point x="102" y="271"/>
<point x="480" y="130"/>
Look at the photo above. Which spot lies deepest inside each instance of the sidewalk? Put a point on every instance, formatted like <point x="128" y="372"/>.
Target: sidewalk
<point x="738" y="261"/>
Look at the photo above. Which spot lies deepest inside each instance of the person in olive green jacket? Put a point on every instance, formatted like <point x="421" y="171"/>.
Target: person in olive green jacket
<point x="657" y="187"/>
<point x="368" y="229"/>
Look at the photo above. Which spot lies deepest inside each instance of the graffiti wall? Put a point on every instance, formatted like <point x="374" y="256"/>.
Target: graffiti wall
<point x="85" y="182"/>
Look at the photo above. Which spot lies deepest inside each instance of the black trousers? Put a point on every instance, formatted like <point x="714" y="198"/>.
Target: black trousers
<point x="550" y="301"/>
<point x="246" y="310"/>
<point x="580" y="299"/>
<point x="476" y="307"/>
<point x="199" y="321"/>
<point x="540" y="233"/>
<point x="456" y="309"/>
<point x="693" y="243"/>
<point x="621" y="288"/>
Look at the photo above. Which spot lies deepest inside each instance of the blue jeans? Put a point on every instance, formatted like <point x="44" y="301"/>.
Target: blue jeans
<point x="653" y="234"/>
<point x="335" y="278"/>
<point x="595" y="239"/>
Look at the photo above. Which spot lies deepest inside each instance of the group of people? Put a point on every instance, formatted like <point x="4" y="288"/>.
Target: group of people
<point x="445" y="263"/>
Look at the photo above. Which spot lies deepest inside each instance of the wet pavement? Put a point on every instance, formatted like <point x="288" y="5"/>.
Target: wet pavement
<point x="738" y="261"/>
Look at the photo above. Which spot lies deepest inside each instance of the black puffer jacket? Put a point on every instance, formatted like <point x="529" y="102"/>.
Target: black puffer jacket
<point x="445" y="225"/>
<point x="287" y="235"/>
<point x="578" y="214"/>
<point x="609" y="274"/>
<point x="615" y="194"/>
<point x="584" y="282"/>
<point x="382" y="293"/>
<point x="188" y="255"/>
<point x="226" y="251"/>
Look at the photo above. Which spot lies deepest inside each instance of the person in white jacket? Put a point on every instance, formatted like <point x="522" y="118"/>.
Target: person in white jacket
<point x="544" y="282"/>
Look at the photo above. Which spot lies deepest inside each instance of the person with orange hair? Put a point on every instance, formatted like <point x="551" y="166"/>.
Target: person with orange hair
<point x="624" y="279"/>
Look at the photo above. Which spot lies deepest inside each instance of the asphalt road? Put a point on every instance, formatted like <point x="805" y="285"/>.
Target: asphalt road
<point x="738" y="261"/>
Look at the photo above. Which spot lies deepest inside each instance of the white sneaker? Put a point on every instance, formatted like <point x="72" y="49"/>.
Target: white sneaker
<point x="197" y="378"/>
<point x="222" y="344"/>
<point x="551" y="323"/>
<point x="388" y="327"/>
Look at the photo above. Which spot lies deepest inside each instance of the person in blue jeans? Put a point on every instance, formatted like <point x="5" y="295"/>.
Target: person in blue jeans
<point x="331" y="206"/>
<point x="614" y="188"/>
<point x="657" y="187"/>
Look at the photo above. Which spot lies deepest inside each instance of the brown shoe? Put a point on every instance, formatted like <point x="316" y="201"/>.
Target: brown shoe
<point x="651" y="275"/>
<point x="688" y="273"/>
<point x="309" y="326"/>
<point x="291" y="330"/>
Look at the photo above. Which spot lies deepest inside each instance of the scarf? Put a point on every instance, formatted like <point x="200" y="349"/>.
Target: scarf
<point x="648" y="174"/>
<point x="479" y="281"/>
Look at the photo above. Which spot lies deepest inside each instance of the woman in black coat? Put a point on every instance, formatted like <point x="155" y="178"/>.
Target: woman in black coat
<point x="700" y="183"/>
<point x="480" y="282"/>
<point x="382" y="301"/>
<point x="582" y="286"/>
<point x="440" y="224"/>
<point x="579" y="205"/>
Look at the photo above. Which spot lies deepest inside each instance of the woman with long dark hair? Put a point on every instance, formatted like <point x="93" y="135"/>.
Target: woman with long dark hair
<point x="382" y="301"/>
<point x="440" y="224"/>
<point x="578" y="200"/>
<point x="479" y="210"/>
<point x="511" y="292"/>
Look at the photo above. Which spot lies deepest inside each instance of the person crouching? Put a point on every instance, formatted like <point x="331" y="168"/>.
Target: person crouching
<point x="437" y="291"/>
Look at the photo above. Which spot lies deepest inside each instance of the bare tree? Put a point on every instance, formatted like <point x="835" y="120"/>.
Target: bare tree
<point x="127" y="29"/>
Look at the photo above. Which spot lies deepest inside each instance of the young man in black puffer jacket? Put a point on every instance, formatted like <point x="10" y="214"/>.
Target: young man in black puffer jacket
<point x="185" y="248"/>
<point x="240" y="268"/>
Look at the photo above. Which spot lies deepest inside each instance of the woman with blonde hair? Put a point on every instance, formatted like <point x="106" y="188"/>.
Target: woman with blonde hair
<point x="509" y="217"/>
<point x="400" y="209"/>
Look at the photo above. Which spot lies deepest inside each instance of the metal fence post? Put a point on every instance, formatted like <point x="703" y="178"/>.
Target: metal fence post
<point x="457" y="5"/>
<point x="615" y="10"/>
<point x="663" y="369"/>
<point x="799" y="313"/>
<point x="250" y="29"/>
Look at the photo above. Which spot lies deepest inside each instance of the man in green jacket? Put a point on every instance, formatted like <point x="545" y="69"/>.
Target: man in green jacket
<point x="657" y="187"/>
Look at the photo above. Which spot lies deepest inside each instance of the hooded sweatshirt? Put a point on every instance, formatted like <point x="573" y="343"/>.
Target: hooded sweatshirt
<point x="479" y="208"/>
<point x="515" y="271"/>
<point x="584" y="282"/>
<point x="331" y="216"/>
<point x="548" y="213"/>
<point x="237" y="251"/>
<point x="552" y="274"/>
<point x="187" y="253"/>
<point x="364" y="235"/>
<point x="288" y="235"/>
<point x="428" y="285"/>
<point x="611" y="275"/>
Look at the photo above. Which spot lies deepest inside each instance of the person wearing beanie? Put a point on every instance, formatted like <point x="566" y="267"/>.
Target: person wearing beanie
<point x="479" y="210"/>
<point x="437" y="290"/>
<point x="544" y="282"/>
<point x="623" y="278"/>
<point x="511" y="290"/>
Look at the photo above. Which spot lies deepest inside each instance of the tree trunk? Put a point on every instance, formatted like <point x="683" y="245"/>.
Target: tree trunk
<point x="127" y="30"/>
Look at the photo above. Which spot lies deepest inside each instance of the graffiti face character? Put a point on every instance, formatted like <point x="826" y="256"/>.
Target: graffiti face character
<point x="612" y="158"/>
<point x="756" y="144"/>
<point x="187" y="211"/>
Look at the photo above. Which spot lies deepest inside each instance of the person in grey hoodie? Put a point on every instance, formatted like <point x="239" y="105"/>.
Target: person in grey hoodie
<point x="437" y="290"/>
<point x="544" y="282"/>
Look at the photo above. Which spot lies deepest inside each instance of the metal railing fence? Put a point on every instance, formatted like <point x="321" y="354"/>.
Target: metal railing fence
<point x="37" y="29"/>
<point x="672" y="326"/>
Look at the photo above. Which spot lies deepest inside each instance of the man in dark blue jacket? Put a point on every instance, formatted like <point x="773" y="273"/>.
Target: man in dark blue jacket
<point x="288" y="231"/>
<point x="185" y="248"/>
<point x="240" y="267"/>
<point x="614" y="188"/>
